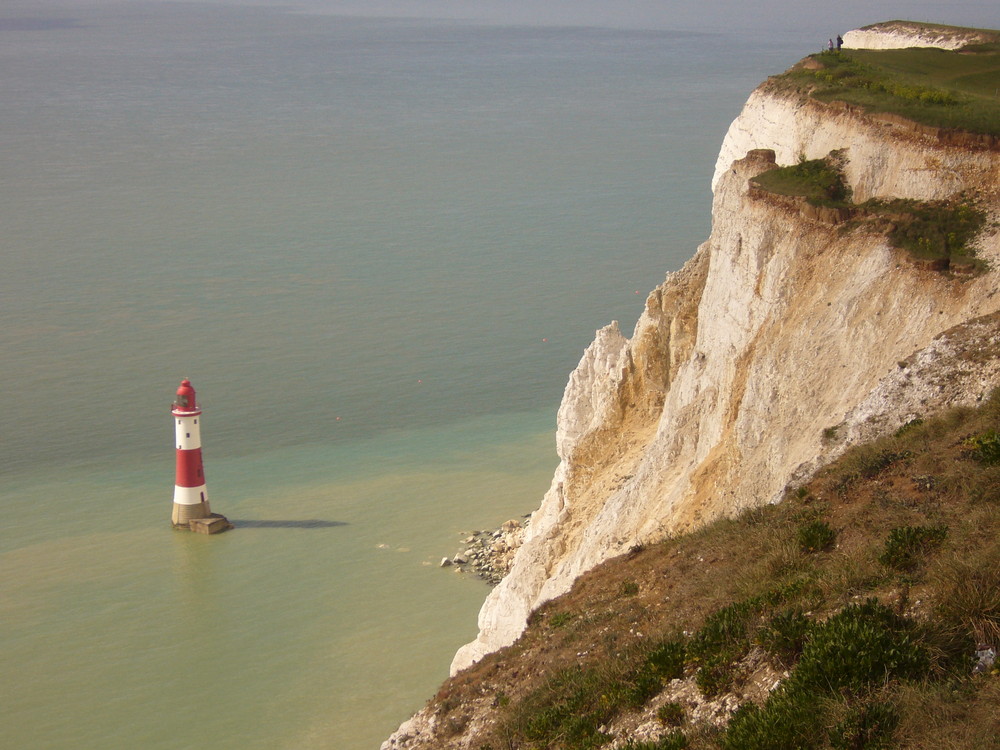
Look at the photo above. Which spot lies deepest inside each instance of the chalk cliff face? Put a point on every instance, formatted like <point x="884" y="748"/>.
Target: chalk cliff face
<point x="779" y="327"/>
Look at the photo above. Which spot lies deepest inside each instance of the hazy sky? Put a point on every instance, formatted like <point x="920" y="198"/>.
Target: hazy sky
<point x="734" y="15"/>
<point x="807" y="17"/>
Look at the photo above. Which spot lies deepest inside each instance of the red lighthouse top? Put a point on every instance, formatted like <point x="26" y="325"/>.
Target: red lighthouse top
<point x="184" y="402"/>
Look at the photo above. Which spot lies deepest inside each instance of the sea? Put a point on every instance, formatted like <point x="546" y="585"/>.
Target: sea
<point x="377" y="247"/>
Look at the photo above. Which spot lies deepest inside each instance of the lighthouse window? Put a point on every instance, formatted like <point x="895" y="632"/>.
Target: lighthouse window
<point x="196" y="421"/>
<point x="203" y="497"/>
<point x="188" y="434"/>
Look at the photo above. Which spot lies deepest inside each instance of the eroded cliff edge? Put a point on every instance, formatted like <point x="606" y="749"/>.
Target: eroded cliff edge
<point x="779" y="328"/>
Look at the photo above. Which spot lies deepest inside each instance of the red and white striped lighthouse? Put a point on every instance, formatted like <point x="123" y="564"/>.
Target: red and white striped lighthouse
<point x="190" y="494"/>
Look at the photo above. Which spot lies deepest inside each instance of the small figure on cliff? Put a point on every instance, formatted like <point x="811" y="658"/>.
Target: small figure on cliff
<point x="840" y="42"/>
<point x="829" y="44"/>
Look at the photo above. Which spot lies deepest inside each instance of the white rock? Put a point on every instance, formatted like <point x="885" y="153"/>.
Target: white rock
<point x="903" y="34"/>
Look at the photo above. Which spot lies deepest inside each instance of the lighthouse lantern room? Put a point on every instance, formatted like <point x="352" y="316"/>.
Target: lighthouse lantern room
<point x="191" y="510"/>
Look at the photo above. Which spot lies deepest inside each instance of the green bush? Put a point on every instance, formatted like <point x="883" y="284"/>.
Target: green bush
<point x="816" y="536"/>
<point x="674" y="741"/>
<point x="724" y="632"/>
<point x="866" y="727"/>
<point x="861" y="646"/>
<point x="985" y="448"/>
<point x="784" y="636"/>
<point x="642" y="686"/>
<point x="714" y="677"/>
<point x="668" y="659"/>
<point x="572" y="705"/>
<point x="670" y="714"/>
<point x="907" y="546"/>
<point x="931" y="229"/>
<point x="786" y="721"/>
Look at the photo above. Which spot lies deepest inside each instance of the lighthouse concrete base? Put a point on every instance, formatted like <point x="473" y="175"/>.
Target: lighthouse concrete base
<point x="214" y="524"/>
<point x="183" y="514"/>
<point x="198" y="518"/>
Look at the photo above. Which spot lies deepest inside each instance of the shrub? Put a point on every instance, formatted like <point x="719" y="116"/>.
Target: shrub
<point x="931" y="229"/>
<point x="670" y="714"/>
<point x="642" y="686"/>
<point x="816" y="536"/>
<point x="667" y="660"/>
<point x="572" y="705"/>
<point x="786" y="720"/>
<point x="714" y="677"/>
<point x="985" y="448"/>
<point x="908" y="545"/>
<point x="673" y="741"/>
<point x="784" y="635"/>
<point x="861" y="646"/>
<point x="866" y="727"/>
<point x="724" y="631"/>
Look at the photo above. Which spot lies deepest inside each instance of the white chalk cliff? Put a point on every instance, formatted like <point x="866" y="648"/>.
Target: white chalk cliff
<point x="779" y="327"/>
<point x="902" y="34"/>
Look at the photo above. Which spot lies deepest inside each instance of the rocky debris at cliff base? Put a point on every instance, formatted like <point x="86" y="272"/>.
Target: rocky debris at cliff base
<point x="489" y="554"/>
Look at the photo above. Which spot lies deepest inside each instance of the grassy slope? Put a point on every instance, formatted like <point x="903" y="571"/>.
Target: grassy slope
<point x="585" y="660"/>
<point x="934" y="87"/>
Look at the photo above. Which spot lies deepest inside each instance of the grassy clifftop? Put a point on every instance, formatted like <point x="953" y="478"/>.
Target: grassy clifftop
<point x="848" y="616"/>
<point x="936" y="88"/>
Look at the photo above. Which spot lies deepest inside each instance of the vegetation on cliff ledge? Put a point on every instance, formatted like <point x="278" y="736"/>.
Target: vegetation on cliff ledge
<point x="933" y="87"/>
<point x="938" y="232"/>
<point x="861" y="612"/>
<point x="820" y="181"/>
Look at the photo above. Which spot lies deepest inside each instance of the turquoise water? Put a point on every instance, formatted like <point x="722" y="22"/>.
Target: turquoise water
<point x="377" y="248"/>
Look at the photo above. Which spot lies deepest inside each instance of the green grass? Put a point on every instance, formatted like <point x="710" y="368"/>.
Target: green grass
<point x="938" y="88"/>
<point x="819" y="181"/>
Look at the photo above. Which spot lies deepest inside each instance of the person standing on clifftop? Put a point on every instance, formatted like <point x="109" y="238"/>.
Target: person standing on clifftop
<point x="840" y="42"/>
<point x="829" y="44"/>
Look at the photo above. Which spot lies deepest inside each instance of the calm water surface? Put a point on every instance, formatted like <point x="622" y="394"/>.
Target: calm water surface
<point x="377" y="248"/>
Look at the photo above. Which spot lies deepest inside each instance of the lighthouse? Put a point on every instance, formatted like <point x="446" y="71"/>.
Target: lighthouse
<point x="191" y="509"/>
